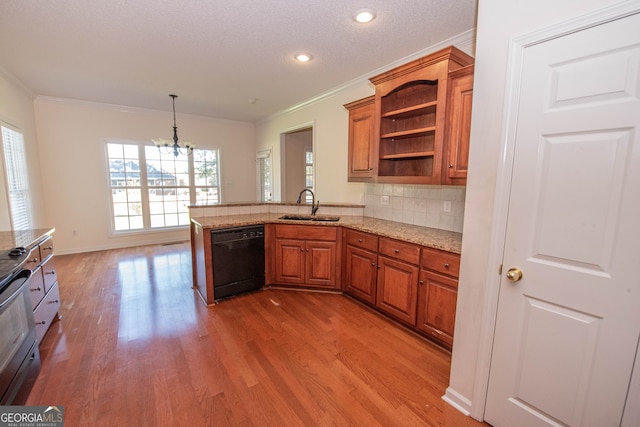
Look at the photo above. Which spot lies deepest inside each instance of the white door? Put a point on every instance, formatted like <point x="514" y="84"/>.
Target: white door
<point x="567" y="331"/>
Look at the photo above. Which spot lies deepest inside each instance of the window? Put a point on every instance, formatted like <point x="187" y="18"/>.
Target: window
<point x="308" y="173"/>
<point x="263" y="173"/>
<point x="17" y="176"/>
<point x="152" y="189"/>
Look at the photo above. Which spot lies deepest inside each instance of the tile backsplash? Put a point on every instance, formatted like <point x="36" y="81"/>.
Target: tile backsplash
<point x="417" y="204"/>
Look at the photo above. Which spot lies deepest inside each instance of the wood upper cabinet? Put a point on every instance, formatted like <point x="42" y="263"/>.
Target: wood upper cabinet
<point x="397" y="281"/>
<point x="361" y="265"/>
<point x="306" y="255"/>
<point x="411" y="107"/>
<point x="458" y="129"/>
<point x="362" y="164"/>
<point x="438" y="293"/>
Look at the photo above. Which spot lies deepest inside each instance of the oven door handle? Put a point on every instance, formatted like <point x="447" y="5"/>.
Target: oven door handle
<point x="24" y="274"/>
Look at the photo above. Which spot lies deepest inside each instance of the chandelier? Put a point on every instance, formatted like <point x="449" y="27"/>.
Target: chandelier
<point x="174" y="146"/>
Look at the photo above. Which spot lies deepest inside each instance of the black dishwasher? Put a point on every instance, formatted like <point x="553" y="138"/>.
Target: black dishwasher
<point x="238" y="260"/>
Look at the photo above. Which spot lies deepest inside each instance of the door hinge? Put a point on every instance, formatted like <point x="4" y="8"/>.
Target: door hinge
<point x="500" y="270"/>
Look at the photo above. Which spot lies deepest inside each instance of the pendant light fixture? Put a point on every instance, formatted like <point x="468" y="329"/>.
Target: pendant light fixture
<point x="175" y="146"/>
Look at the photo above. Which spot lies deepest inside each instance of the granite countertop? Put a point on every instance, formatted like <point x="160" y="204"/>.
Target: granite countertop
<point x="24" y="238"/>
<point x="431" y="237"/>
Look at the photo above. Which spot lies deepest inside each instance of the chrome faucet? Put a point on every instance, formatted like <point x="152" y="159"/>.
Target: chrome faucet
<point x="314" y="206"/>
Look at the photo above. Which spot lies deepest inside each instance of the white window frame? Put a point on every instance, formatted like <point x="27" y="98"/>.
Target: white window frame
<point x="14" y="158"/>
<point x="144" y="188"/>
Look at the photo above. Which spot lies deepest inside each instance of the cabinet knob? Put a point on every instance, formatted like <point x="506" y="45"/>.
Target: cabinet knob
<point x="301" y="250"/>
<point x="450" y="165"/>
<point x="421" y="282"/>
<point x="446" y="265"/>
<point x="396" y="251"/>
<point x="359" y="240"/>
<point x="373" y="264"/>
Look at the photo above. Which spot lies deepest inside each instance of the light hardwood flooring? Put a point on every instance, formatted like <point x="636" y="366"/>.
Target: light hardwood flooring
<point x="137" y="347"/>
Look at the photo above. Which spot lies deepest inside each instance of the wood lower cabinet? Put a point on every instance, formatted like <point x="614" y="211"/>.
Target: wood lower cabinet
<point x="438" y="293"/>
<point x="43" y="286"/>
<point x="361" y="265"/>
<point x="397" y="287"/>
<point x="305" y="255"/>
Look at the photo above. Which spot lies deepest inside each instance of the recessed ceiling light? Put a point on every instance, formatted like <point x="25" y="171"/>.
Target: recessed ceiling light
<point x="303" y="57"/>
<point x="364" y="15"/>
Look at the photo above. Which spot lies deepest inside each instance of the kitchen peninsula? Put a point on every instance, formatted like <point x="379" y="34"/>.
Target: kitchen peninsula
<point x="405" y="271"/>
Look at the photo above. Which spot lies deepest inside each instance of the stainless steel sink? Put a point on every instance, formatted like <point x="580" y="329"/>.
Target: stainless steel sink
<point x="310" y="218"/>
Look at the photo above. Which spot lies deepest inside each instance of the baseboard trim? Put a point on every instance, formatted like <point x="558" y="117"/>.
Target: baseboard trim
<point x="458" y="401"/>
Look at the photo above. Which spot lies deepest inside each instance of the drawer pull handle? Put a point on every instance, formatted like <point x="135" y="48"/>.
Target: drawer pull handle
<point x="446" y="265"/>
<point x="55" y="301"/>
<point x="33" y="260"/>
<point x="44" y="322"/>
<point x="49" y="272"/>
<point x="35" y="289"/>
<point x="49" y="248"/>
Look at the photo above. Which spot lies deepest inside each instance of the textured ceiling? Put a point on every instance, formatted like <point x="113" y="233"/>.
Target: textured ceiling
<point x="216" y="55"/>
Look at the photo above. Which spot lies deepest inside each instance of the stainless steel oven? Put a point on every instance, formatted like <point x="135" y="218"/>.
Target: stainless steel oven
<point x="19" y="356"/>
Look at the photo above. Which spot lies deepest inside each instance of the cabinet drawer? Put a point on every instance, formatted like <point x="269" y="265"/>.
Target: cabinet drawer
<point x="46" y="249"/>
<point x="362" y="240"/>
<point x="46" y="311"/>
<point x="307" y="232"/>
<point x="49" y="273"/>
<point x="443" y="262"/>
<point x="401" y="250"/>
<point x="36" y="287"/>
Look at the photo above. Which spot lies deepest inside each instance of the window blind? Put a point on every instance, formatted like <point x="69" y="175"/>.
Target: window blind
<point x="17" y="178"/>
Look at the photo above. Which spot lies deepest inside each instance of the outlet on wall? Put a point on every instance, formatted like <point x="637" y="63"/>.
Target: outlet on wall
<point x="446" y="206"/>
<point x="384" y="200"/>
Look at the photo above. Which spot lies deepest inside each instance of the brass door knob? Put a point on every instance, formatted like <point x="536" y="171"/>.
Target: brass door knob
<point x="514" y="274"/>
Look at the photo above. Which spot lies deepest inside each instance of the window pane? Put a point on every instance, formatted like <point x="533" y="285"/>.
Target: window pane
<point x="163" y="179"/>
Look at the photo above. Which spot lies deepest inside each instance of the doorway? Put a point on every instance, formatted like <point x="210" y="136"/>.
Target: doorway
<point x="297" y="162"/>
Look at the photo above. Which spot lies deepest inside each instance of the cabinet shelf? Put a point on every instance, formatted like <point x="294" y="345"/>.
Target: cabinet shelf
<point x="409" y="133"/>
<point x="403" y="156"/>
<point x="412" y="111"/>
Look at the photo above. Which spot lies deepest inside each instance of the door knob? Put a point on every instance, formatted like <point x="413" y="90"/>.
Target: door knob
<point x="514" y="274"/>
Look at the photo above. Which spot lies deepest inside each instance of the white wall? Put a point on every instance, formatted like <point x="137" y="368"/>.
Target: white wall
<point x="71" y="139"/>
<point x="498" y="22"/>
<point x="16" y="109"/>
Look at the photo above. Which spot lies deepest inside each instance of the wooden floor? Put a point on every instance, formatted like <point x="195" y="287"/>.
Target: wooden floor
<point x="137" y="347"/>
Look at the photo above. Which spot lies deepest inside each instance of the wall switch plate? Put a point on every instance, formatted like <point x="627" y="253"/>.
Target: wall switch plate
<point x="446" y="206"/>
<point x="384" y="200"/>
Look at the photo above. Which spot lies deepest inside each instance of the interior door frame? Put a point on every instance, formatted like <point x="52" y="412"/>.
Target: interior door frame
<point x="493" y="278"/>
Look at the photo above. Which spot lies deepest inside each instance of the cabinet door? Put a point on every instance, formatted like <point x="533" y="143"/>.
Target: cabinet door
<point x="458" y="126"/>
<point x="397" y="289"/>
<point x="361" y="274"/>
<point x="289" y="261"/>
<point x="320" y="263"/>
<point x="361" y="140"/>
<point x="437" y="306"/>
